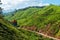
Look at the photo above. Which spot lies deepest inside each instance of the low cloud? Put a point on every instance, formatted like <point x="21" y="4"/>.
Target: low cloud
<point x="46" y="4"/>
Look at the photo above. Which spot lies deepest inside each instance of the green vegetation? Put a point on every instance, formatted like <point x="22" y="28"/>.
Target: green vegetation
<point x="9" y="32"/>
<point x="46" y="19"/>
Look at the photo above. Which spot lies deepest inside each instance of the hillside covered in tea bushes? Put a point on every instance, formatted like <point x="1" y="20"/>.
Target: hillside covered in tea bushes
<point x="9" y="32"/>
<point x="46" y="19"/>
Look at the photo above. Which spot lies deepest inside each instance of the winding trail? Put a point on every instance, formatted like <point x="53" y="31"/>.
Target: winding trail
<point x="41" y="34"/>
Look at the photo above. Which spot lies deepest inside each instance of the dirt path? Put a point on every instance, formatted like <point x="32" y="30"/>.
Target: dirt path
<point x="41" y="34"/>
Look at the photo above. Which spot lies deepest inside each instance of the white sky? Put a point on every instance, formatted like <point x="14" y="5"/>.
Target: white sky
<point x="17" y="4"/>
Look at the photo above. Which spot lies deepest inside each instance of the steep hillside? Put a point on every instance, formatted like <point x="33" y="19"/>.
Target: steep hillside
<point x="22" y="12"/>
<point x="47" y="20"/>
<point x="9" y="32"/>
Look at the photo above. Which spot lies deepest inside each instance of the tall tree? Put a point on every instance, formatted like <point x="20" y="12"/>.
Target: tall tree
<point x="0" y="7"/>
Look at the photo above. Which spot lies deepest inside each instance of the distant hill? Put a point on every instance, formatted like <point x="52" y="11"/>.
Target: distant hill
<point x="21" y="11"/>
<point x="47" y="19"/>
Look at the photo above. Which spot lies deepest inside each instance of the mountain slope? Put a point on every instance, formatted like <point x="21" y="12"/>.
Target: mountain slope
<point x="9" y="32"/>
<point x="22" y="13"/>
<point x="47" y="19"/>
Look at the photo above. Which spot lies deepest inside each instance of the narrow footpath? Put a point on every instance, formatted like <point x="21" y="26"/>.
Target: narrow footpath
<point x="41" y="34"/>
